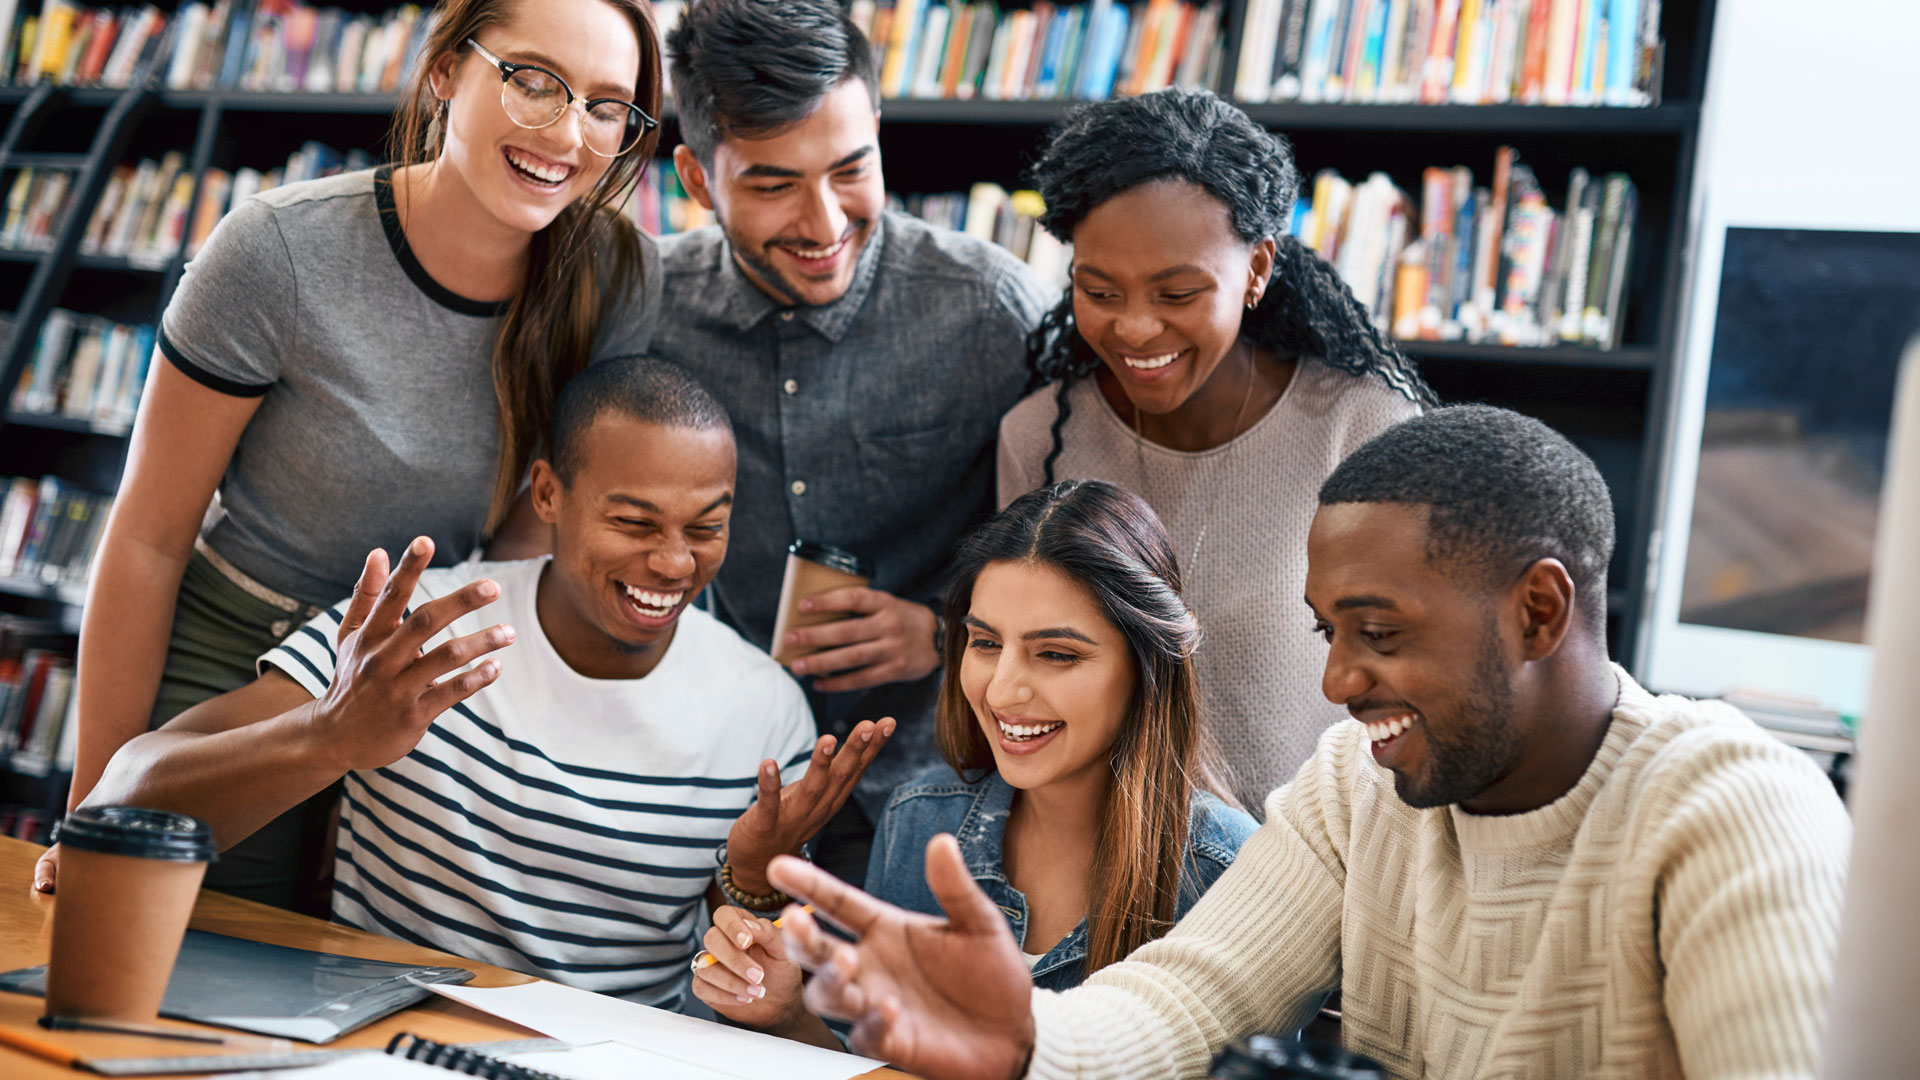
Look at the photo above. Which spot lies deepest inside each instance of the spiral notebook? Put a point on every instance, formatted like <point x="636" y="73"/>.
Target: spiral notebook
<point x="409" y="1057"/>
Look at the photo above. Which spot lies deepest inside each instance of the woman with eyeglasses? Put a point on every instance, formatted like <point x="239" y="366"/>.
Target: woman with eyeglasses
<point x="354" y="361"/>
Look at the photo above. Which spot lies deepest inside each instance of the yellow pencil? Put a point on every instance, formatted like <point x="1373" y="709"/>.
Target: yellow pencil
<point x="21" y="1041"/>
<point x="706" y="960"/>
<point x="808" y="908"/>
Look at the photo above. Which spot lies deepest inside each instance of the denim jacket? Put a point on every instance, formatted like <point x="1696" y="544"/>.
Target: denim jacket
<point x="937" y="801"/>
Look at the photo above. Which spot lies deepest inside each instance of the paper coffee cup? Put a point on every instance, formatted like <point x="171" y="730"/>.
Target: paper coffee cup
<point x="128" y="881"/>
<point x="811" y="570"/>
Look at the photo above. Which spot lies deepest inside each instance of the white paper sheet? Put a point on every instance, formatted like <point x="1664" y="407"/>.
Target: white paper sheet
<point x="581" y="1017"/>
<point x="613" y="1061"/>
<point x="601" y="1061"/>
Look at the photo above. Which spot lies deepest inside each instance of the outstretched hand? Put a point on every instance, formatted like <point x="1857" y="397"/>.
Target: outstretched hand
<point x="385" y="691"/>
<point x="947" y="999"/>
<point x="783" y="818"/>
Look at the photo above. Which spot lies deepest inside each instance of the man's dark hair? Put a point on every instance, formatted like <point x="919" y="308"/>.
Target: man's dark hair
<point x="1503" y="491"/>
<point x="654" y="391"/>
<point x="750" y="69"/>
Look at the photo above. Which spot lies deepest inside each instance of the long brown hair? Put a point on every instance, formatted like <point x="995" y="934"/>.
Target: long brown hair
<point x="1109" y="541"/>
<point x="578" y="267"/>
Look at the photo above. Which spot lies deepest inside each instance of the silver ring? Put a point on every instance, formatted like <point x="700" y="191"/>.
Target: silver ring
<point x="696" y="965"/>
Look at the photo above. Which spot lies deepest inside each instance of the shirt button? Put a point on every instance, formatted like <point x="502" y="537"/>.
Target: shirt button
<point x="793" y="386"/>
<point x="798" y="487"/>
<point x="787" y="315"/>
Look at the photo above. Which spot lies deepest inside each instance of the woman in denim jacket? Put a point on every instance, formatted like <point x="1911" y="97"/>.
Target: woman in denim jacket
<point x="1076" y="780"/>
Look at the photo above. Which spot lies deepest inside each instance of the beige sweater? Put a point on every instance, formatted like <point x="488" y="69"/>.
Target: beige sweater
<point x="1675" y="914"/>
<point x="1259" y="662"/>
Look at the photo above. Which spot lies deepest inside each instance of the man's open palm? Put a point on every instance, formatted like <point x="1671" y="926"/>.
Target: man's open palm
<point x="945" y="998"/>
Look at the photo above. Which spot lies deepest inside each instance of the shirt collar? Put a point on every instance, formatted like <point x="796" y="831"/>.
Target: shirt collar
<point x="743" y="305"/>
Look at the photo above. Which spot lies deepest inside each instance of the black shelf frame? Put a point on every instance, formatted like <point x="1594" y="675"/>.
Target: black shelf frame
<point x="55" y="422"/>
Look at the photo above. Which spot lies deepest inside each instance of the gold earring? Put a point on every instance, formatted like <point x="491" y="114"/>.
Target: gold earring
<point x="437" y="123"/>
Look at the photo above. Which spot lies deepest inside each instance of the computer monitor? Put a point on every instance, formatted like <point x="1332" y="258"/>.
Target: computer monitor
<point x="1779" y="457"/>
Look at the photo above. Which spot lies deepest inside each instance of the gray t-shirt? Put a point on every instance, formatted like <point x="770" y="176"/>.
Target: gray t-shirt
<point x="377" y="420"/>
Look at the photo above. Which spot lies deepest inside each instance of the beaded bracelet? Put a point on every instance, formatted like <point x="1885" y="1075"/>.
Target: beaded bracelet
<point x="772" y="901"/>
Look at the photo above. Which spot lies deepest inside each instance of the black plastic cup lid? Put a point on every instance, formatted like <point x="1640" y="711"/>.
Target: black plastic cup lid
<point x="133" y="830"/>
<point x="831" y="557"/>
<point x="1273" y="1057"/>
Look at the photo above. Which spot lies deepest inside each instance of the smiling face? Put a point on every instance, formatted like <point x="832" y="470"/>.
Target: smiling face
<point x="1417" y="654"/>
<point x="1049" y="679"/>
<point x="798" y="207"/>
<point x="639" y="530"/>
<point x="525" y="177"/>
<point x="1160" y="282"/>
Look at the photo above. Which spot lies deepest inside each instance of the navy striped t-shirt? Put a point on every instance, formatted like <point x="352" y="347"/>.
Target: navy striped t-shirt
<point x="556" y="824"/>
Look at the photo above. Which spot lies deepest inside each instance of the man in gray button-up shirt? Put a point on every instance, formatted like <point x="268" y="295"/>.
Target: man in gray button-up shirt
<point x="866" y="358"/>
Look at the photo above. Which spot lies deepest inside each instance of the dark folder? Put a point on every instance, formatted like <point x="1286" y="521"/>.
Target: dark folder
<point x="274" y="990"/>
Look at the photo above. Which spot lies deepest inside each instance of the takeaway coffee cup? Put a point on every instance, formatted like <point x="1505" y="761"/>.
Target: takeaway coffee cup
<point x="811" y="570"/>
<point x="128" y="880"/>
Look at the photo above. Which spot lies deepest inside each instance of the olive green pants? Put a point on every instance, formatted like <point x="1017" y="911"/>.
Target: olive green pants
<point x="219" y="630"/>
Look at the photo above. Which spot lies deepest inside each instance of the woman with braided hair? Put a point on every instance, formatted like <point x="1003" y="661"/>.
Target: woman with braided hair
<point x="1214" y="365"/>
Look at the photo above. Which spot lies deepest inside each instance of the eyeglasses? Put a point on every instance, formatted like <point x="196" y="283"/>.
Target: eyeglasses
<point x="535" y="97"/>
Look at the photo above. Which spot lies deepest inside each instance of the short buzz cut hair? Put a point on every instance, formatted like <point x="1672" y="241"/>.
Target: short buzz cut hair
<point x="1503" y="491"/>
<point x="652" y="391"/>
<point x="750" y="69"/>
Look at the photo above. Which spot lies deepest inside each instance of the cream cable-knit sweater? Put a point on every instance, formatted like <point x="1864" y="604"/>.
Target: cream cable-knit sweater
<point x="1675" y="914"/>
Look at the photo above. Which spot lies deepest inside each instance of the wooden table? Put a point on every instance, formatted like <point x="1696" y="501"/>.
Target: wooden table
<point x="26" y="922"/>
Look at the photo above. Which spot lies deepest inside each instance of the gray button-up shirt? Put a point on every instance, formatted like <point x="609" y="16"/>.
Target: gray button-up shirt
<point x="868" y="423"/>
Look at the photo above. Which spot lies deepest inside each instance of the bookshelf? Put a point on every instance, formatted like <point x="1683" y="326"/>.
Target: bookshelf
<point x="1609" y="401"/>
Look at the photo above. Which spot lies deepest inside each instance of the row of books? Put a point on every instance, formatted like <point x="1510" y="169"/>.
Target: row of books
<point x="78" y="46"/>
<point x="221" y="191"/>
<point x="1094" y="50"/>
<point x="86" y="368"/>
<point x="285" y="46"/>
<point x="1481" y="264"/>
<point x="140" y="216"/>
<point x="37" y="732"/>
<point x="36" y="207"/>
<point x="1464" y="52"/>
<point x="990" y="212"/>
<point x="256" y="45"/>
<point x="1552" y="52"/>
<point x="49" y="531"/>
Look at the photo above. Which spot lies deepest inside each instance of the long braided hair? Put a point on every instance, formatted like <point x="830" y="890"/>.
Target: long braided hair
<point x="1110" y="147"/>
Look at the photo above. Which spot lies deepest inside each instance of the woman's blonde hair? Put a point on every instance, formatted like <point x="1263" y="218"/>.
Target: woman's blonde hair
<point x="1109" y="541"/>
<point x="578" y="267"/>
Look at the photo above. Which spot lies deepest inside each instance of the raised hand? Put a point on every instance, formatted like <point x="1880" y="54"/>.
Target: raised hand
<point x="885" y="639"/>
<point x="385" y="692"/>
<point x="946" y="999"/>
<point x="781" y="819"/>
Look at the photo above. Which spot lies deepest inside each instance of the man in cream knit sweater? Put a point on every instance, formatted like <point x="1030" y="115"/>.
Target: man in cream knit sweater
<point x="1517" y="863"/>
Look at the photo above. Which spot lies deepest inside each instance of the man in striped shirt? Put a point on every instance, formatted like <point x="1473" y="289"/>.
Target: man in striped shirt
<point x="540" y="757"/>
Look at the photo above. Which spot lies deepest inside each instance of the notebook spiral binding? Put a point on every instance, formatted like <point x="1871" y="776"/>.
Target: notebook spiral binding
<point x="460" y="1059"/>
